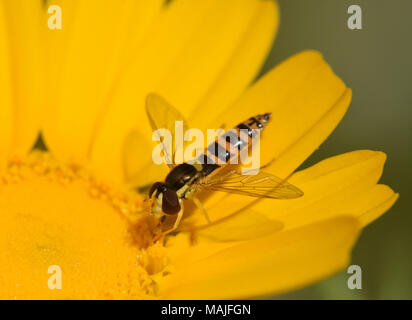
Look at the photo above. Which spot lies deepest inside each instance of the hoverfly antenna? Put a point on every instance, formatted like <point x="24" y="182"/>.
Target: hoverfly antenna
<point x="267" y="116"/>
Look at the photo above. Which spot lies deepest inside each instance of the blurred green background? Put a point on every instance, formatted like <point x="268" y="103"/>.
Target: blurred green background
<point x="376" y="62"/>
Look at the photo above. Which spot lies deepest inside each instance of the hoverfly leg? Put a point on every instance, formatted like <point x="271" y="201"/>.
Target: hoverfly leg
<point x="198" y="204"/>
<point x="157" y="231"/>
<point x="175" y="225"/>
<point x="193" y="239"/>
<point x="161" y="220"/>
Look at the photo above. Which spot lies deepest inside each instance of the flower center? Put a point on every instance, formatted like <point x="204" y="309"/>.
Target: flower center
<point x="65" y="235"/>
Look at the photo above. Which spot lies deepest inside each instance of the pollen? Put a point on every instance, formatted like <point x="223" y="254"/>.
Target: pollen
<point x="96" y="235"/>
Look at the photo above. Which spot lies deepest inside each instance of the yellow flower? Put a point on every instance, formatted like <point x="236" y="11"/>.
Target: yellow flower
<point x="84" y="87"/>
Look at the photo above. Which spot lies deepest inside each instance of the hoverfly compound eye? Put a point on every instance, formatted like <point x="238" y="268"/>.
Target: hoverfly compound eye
<point x="170" y="202"/>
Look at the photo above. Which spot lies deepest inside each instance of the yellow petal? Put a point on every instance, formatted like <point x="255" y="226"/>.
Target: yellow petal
<point x="345" y="184"/>
<point x="23" y="47"/>
<point x="6" y="109"/>
<point x="245" y="226"/>
<point x="307" y="101"/>
<point x="237" y="74"/>
<point x="192" y="48"/>
<point x="84" y="61"/>
<point x="376" y="203"/>
<point x="273" y="264"/>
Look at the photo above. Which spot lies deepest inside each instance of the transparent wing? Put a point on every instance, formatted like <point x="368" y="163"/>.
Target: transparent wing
<point x="261" y="185"/>
<point x="162" y="115"/>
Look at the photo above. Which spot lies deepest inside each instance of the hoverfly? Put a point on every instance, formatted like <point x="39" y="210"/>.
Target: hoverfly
<point x="214" y="171"/>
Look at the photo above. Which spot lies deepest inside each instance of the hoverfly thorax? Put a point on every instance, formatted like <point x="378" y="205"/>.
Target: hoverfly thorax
<point x="180" y="176"/>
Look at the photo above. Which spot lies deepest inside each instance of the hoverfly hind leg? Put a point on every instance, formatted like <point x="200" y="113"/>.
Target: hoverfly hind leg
<point x="198" y="204"/>
<point x="157" y="231"/>
<point x="175" y="225"/>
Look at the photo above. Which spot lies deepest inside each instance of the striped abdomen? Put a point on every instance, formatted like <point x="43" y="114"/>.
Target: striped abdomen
<point x="229" y="145"/>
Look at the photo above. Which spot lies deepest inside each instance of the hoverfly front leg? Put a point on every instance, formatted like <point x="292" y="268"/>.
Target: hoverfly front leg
<point x="175" y="225"/>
